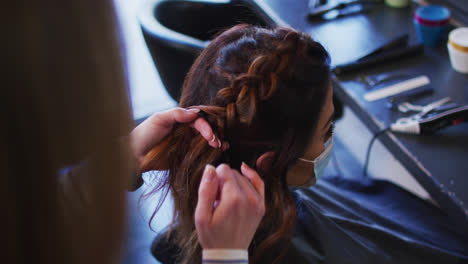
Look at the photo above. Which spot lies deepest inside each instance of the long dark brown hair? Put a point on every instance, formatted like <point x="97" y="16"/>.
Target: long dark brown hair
<point x="64" y="99"/>
<point x="261" y="90"/>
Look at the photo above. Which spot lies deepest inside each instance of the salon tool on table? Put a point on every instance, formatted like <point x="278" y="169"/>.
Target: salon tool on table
<point x="397" y="88"/>
<point x="339" y="9"/>
<point x="346" y="12"/>
<point x="406" y="107"/>
<point x="430" y="118"/>
<point x="408" y="96"/>
<point x="398" y="42"/>
<point x="391" y="50"/>
<point x="370" y="81"/>
<point x="433" y="122"/>
<point x="422" y="110"/>
<point x="319" y="10"/>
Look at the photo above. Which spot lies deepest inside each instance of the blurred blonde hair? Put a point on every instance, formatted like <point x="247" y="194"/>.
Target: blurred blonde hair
<point x="63" y="100"/>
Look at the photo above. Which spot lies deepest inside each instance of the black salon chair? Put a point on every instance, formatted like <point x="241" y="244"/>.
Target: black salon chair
<point x="177" y="31"/>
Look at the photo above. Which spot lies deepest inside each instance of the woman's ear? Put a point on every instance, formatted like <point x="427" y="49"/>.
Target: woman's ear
<point x="264" y="161"/>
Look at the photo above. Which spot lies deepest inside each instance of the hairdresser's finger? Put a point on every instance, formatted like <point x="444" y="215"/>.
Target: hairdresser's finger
<point x="232" y="198"/>
<point x="177" y="115"/>
<point x="155" y="128"/>
<point x="253" y="176"/>
<point x="207" y="194"/>
<point x="186" y="115"/>
<point x="202" y="126"/>
<point x="248" y="190"/>
<point x="230" y="184"/>
<point x="256" y="185"/>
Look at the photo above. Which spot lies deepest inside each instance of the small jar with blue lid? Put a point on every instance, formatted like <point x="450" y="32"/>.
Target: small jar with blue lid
<point x="432" y="24"/>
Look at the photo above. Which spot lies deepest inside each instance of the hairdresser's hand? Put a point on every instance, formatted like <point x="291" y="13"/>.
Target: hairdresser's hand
<point x="241" y="206"/>
<point x="154" y="129"/>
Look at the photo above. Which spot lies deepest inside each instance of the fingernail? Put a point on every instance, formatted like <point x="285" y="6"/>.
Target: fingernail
<point x="213" y="139"/>
<point x="245" y="165"/>
<point x="219" y="143"/>
<point x="193" y="110"/>
<point x="245" y="168"/>
<point x="209" y="173"/>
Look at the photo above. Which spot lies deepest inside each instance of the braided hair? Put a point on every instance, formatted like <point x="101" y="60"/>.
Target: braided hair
<point x="261" y="90"/>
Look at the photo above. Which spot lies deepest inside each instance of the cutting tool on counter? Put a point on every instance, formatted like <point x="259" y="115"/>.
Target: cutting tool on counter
<point x="422" y="110"/>
<point x="335" y="9"/>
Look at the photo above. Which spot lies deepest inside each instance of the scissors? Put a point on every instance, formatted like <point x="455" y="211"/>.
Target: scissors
<point x="422" y="110"/>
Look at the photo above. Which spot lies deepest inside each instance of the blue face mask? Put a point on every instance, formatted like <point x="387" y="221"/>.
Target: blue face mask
<point x="320" y="163"/>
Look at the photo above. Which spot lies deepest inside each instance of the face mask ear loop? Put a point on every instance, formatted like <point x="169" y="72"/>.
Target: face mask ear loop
<point x="306" y="160"/>
<point x="327" y="149"/>
<point x="319" y="163"/>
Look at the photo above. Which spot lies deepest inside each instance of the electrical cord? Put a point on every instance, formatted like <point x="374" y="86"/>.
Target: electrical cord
<point x="371" y="143"/>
